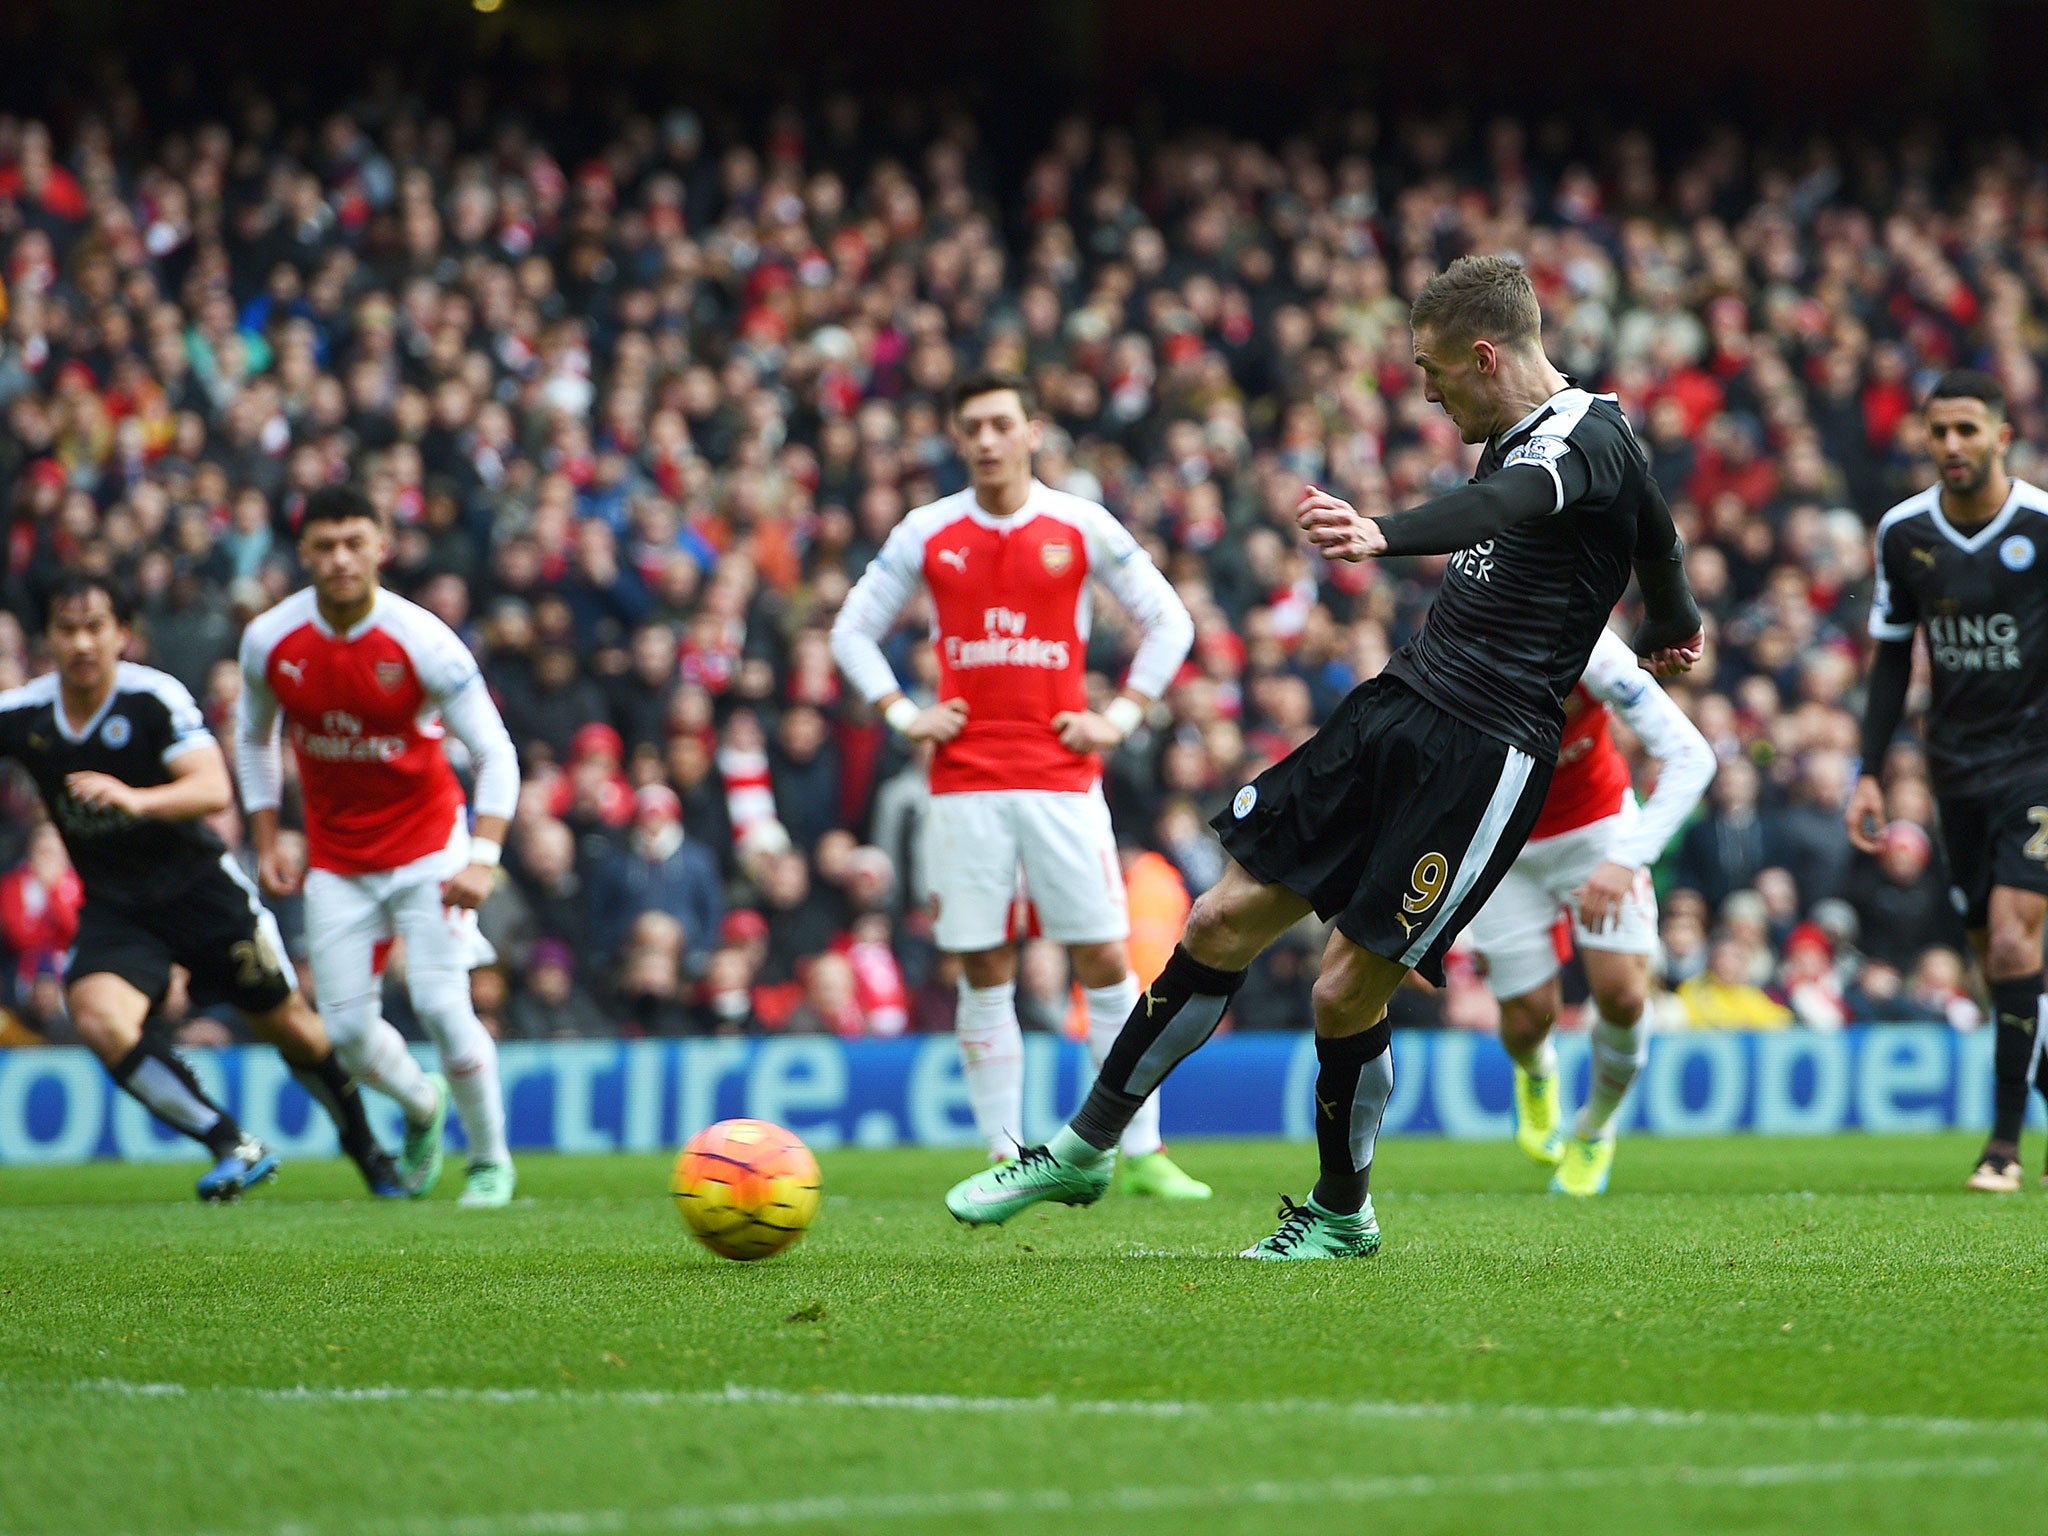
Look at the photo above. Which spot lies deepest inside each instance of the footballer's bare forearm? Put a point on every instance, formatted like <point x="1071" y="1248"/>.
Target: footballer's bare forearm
<point x="198" y="787"/>
<point x="1471" y="514"/>
<point x="263" y="830"/>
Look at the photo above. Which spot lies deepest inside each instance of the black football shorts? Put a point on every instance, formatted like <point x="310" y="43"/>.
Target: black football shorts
<point x="1997" y="837"/>
<point x="216" y="928"/>
<point x="1396" y="818"/>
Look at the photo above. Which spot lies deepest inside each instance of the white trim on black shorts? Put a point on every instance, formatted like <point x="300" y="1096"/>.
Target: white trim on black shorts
<point x="1507" y="794"/>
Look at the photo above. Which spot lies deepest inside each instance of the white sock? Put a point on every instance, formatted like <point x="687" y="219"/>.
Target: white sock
<point x="469" y="1056"/>
<point x="992" y="1061"/>
<point x="1618" y="1052"/>
<point x="381" y="1061"/>
<point x="1108" y="1009"/>
<point x="1539" y="1061"/>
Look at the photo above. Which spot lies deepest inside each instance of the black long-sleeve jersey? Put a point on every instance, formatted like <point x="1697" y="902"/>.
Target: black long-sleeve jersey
<point x="1515" y="620"/>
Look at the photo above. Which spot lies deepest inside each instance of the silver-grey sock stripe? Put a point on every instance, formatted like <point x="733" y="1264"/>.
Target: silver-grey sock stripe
<point x="169" y="1099"/>
<point x="1195" y="1023"/>
<point x="1369" y="1105"/>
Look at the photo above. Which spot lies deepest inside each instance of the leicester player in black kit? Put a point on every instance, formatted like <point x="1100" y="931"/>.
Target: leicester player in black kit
<point x="1402" y="813"/>
<point x="127" y="770"/>
<point x="1966" y="562"/>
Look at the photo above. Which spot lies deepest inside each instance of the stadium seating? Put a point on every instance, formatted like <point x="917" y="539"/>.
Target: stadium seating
<point x="641" y="416"/>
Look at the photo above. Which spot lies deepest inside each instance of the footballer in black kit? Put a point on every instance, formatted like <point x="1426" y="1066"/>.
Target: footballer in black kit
<point x="127" y="771"/>
<point x="1965" y="563"/>
<point x="156" y="892"/>
<point x="1400" y="816"/>
<point x="1404" y="811"/>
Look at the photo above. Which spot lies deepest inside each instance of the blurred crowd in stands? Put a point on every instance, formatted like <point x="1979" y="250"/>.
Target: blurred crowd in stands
<point x="641" y="413"/>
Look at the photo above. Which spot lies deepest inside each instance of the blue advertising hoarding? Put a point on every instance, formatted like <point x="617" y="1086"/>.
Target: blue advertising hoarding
<point x="58" y="1106"/>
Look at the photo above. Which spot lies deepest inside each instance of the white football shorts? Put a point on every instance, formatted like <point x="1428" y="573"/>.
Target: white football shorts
<point x="351" y="919"/>
<point x="977" y="842"/>
<point x="1513" y="929"/>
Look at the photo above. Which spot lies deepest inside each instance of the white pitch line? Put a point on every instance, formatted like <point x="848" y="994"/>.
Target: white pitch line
<point x="1619" y="1416"/>
<point x="842" y="1508"/>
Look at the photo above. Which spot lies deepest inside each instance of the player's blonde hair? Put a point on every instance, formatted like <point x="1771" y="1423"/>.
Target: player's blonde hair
<point x="1480" y="298"/>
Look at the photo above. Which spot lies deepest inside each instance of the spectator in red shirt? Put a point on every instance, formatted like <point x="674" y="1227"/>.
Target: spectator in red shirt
<point x="39" y="902"/>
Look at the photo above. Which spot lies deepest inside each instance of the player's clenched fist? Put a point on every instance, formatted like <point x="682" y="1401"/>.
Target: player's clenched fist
<point x="1336" y="528"/>
<point x="1865" y="816"/>
<point x="1671" y="660"/>
<point x="103" y="789"/>
<point x="280" y="870"/>
<point x="1083" y="730"/>
<point x="941" y="723"/>
<point x="468" y="888"/>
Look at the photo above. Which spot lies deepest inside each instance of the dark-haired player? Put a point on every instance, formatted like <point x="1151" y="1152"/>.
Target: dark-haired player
<point x="1402" y="813"/>
<point x="1963" y="562"/>
<point x="366" y="686"/>
<point x="128" y="770"/>
<point x="1010" y="565"/>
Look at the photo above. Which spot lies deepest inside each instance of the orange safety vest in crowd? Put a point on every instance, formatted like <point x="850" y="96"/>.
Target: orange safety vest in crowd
<point x="1159" y="904"/>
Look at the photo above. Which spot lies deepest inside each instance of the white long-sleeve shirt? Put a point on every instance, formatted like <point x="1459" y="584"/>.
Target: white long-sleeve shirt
<point x="1592" y="775"/>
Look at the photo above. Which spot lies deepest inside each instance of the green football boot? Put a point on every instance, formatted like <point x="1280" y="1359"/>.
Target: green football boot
<point x="1587" y="1162"/>
<point x="1004" y="1190"/>
<point x="488" y="1186"/>
<point x="419" y="1160"/>
<point x="1539" y="1118"/>
<point x="1308" y="1231"/>
<point x="1157" y="1175"/>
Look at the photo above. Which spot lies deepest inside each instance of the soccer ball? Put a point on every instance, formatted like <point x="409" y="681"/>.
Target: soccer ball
<point x="747" y="1189"/>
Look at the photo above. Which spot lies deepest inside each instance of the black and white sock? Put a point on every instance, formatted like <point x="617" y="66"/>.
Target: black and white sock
<point x="335" y="1091"/>
<point x="2016" y="1007"/>
<point x="156" y="1077"/>
<point x="1355" y="1078"/>
<point x="1172" y="1019"/>
<point x="2040" y="1054"/>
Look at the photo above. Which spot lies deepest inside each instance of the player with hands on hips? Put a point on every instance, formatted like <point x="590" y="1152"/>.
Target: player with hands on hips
<point x="1009" y="564"/>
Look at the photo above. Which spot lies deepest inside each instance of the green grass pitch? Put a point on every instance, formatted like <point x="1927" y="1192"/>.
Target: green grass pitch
<point x="1747" y="1335"/>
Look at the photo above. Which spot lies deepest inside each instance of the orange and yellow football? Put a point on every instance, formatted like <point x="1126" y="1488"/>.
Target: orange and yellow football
<point x="747" y="1189"/>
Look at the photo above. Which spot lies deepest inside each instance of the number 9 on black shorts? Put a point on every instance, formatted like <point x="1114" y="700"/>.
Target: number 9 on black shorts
<point x="216" y="928"/>
<point x="1396" y="818"/>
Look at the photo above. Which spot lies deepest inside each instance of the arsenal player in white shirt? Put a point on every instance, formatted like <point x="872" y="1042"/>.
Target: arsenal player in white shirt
<point x="1589" y="854"/>
<point x="366" y="685"/>
<point x="1016" y="779"/>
